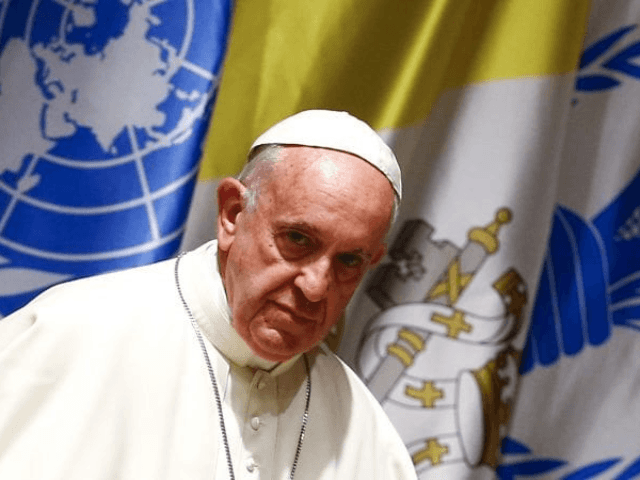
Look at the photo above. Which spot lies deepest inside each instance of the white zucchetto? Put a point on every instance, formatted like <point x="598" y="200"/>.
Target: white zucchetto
<point x="337" y="131"/>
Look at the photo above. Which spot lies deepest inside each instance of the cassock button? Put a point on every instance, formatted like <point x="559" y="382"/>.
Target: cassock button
<point x="251" y="465"/>
<point x="255" y="423"/>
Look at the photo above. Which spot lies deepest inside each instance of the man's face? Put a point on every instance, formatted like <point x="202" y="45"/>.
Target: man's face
<point x="290" y="265"/>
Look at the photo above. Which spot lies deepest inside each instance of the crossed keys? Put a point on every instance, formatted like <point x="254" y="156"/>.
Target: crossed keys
<point x="482" y="243"/>
<point x="452" y="285"/>
<point x="437" y="273"/>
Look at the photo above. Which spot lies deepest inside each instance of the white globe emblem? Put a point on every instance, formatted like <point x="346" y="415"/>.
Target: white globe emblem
<point x="103" y="107"/>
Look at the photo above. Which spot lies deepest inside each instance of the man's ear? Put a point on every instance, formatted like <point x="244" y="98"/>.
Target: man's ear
<point x="230" y="204"/>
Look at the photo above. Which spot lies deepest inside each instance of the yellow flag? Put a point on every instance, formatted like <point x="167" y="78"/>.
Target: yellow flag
<point x="473" y="97"/>
<point x="384" y="62"/>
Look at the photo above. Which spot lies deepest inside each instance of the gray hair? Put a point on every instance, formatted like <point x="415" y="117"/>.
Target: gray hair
<point x="258" y="169"/>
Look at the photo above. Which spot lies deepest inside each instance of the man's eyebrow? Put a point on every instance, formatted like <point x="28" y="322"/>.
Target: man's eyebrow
<point x="302" y="226"/>
<point x="359" y="251"/>
<point x="313" y="231"/>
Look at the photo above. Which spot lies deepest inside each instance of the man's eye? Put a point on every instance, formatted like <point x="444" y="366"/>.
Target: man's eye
<point x="350" y="260"/>
<point x="293" y="244"/>
<point x="298" y="238"/>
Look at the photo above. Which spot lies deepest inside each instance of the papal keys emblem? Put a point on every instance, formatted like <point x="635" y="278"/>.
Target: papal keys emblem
<point x="445" y="376"/>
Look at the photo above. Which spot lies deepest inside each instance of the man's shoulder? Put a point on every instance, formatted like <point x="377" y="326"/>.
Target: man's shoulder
<point x="137" y="301"/>
<point x="123" y="300"/>
<point x="107" y="287"/>
<point x="140" y="282"/>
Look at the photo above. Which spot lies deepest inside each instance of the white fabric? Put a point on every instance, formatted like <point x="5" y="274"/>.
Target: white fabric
<point x="338" y="131"/>
<point x="103" y="378"/>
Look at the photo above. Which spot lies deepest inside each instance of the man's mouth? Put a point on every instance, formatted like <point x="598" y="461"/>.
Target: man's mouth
<point x="300" y="319"/>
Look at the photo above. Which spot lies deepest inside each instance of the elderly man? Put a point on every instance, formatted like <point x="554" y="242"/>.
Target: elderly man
<point x="212" y="365"/>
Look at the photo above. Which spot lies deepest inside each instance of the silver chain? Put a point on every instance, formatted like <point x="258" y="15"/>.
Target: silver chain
<point x="214" y="383"/>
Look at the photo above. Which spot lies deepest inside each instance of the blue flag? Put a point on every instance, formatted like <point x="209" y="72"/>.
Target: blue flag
<point x="104" y="105"/>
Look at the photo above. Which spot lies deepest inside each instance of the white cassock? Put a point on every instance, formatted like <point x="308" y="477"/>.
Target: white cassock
<point x="103" y="378"/>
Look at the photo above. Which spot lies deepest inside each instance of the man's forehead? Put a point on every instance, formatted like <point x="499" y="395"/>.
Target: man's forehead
<point x="306" y="156"/>
<point x="323" y="164"/>
<point x="327" y="166"/>
<point x="309" y="182"/>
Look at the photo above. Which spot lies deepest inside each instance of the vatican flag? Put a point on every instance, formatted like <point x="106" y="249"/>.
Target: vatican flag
<point x="103" y="108"/>
<point x="500" y="333"/>
<point x="478" y="99"/>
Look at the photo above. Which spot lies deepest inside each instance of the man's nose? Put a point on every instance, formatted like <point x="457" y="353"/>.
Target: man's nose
<point x="315" y="279"/>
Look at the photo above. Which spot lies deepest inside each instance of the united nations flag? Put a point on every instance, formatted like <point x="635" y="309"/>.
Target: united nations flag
<point x="103" y="109"/>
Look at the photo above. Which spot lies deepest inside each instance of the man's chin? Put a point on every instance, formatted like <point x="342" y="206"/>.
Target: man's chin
<point x="273" y="355"/>
<point x="276" y="347"/>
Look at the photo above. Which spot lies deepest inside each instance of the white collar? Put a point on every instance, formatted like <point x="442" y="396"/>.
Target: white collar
<point x="207" y="299"/>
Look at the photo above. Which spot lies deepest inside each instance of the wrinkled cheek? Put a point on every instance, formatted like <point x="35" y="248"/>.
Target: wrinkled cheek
<point x="270" y="317"/>
<point x="275" y="339"/>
